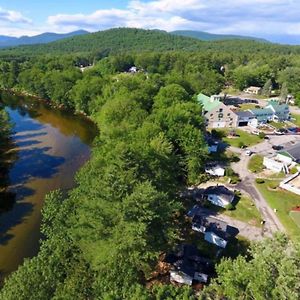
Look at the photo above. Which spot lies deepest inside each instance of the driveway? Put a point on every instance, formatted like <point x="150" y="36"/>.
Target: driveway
<point x="250" y="232"/>
<point x="247" y="185"/>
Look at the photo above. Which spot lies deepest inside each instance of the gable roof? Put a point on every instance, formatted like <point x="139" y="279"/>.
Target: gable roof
<point x="207" y="103"/>
<point x="261" y="111"/>
<point x="212" y="224"/>
<point x="221" y="191"/>
<point x="277" y="108"/>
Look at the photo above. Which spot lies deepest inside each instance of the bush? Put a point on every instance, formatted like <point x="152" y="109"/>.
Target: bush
<point x="242" y="145"/>
<point x="259" y="180"/>
<point x="230" y="206"/>
<point x="262" y="135"/>
<point x="294" y="170"/>
<point x="273" y="185"/>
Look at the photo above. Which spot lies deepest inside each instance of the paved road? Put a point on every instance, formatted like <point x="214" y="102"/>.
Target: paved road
<point x="247" y="184"/>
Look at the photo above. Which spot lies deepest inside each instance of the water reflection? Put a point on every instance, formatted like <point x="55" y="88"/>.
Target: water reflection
<point x="50" y="146"/>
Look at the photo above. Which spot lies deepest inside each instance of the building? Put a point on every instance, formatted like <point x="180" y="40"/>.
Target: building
<point x="246" y="118"/>
<point x="275" y="164"/>
<point x="219" y="195"/>
<point x="281" y="112"/>
<point x="290" y="154"/>
<point x="188" y="265"/>
<point x="292" y="184"/>
<point x="253" y="90"/>
<point x="283" y="160"/>
<point x="216" y="113"/>
<point x="213" y="145"/>
<point x="215" y="231"/>
<point x="274" y="111"/>
<point x="262" y="115"/>
<point x="215" y="170"/>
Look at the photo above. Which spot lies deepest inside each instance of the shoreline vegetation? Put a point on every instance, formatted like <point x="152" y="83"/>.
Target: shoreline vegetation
<point x="23" y="93"/>
<point x="103" y="240"/>
<point x="7" y="158"/>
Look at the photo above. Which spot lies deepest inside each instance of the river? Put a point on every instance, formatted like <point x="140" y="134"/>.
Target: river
<point x="50" y="145"/>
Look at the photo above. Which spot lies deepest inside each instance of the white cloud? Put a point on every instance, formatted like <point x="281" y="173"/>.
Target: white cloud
<point x="11" y="16"/>
<point x="231" y="16"/>
<point x="248" y="17"/>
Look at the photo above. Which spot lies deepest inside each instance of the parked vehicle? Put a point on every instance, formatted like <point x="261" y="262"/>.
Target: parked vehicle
<point x="277" y="147"/>
<point x="256" y="132"/>
<point x="248" y="152"/>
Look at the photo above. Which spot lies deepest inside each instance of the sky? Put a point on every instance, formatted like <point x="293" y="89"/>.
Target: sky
<point x="275" y="20"/>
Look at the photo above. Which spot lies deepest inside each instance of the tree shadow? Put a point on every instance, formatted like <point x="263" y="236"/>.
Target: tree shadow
<point x="13" y="218"/>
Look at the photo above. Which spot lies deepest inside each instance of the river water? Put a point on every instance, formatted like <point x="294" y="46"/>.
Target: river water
<point x="50" y="145"/>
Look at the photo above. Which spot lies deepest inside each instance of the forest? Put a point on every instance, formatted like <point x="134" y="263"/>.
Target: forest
<point x="103" y="239"/>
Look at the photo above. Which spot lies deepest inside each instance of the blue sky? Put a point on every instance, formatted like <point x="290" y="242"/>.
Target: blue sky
<point x="276" y="20"/>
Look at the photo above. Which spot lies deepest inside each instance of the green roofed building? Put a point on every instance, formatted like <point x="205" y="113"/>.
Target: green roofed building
<point x="216" y="113"/>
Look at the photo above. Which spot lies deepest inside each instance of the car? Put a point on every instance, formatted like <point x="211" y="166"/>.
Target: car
<point x="277" y="147"/>
<point x="278" y="132"/>
<point x="256" y="132"/>
<point x="248" y="152"/>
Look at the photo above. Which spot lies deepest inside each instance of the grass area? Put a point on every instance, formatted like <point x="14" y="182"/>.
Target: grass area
<point x="283" y="202"/>
<point x="278" y="125"/>
<point x="256" y="164"/>
<point x="242" y="138"/>
<point x="246" y="106"/>
<point x="297" y="119"/>
<point x="245" y="211"/>
<point x="295" y="215"/>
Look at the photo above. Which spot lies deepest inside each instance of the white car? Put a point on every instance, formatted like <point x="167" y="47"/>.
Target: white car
<point x="248" y="152"/>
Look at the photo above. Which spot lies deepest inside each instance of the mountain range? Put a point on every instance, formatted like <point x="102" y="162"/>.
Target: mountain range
<point x="205" y="36"/>
<point x="48" y="37"/>
<point x="44" y="38"/>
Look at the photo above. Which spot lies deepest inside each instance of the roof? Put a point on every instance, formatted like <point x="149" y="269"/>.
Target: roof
<point x="294" y="151"/>
<point x="207" y="103"/>
<point x="245" y="114"/>
<point x="261" y="111"/>
<point x="187" y="259"/>
<point x="278" y="108"/>
<point x="212" y="224"/>
<point x="221" y="191"/>
<point x="257" y="88"/>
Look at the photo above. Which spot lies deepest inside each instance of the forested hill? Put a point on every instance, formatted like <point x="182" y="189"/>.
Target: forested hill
<point x="102" y="43"/>
<point x="206" y="36"/>
<point x="112" y="40"/>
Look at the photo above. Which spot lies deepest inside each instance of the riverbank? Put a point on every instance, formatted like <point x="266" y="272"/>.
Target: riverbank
<point x="22" y="93"/>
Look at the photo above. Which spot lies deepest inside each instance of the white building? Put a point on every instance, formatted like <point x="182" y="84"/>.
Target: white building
<point x="215" y="171"/>
<point x="253" y="90"/>
<point x="219" y="195"/>
<point x="215" y="230"/>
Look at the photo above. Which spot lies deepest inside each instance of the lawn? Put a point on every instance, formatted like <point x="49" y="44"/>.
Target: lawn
<point x="283" y="202"/>
<point x="278" y="125"/>
<point x="256" y="164"/>
<point x="295" y="215"/>
<point x="243" y="138"/>
<point x="245" y="211"/>
<point x="247" y="106"/>
<point x="297" y="119"/>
